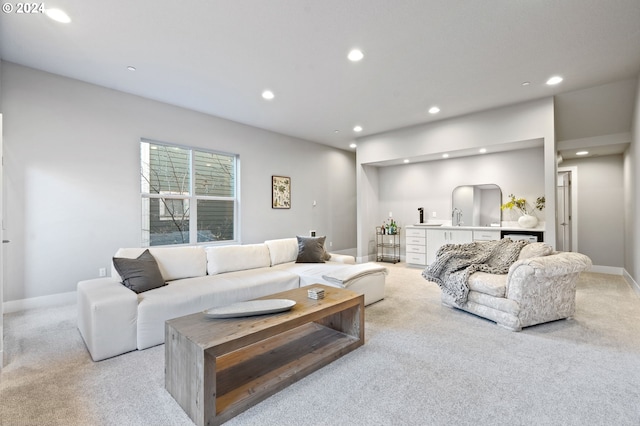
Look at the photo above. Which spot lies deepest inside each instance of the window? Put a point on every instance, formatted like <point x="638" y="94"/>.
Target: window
<point x="188" y="195"/>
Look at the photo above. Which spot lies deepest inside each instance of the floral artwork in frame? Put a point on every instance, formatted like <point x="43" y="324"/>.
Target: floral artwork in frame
<point x="281" y="192"/>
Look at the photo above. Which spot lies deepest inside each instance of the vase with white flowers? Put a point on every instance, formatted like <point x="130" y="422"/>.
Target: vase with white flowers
<point x="527" y="220"/>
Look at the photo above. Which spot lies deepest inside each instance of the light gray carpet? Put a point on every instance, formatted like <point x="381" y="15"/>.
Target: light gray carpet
<point x="422" y="364"/>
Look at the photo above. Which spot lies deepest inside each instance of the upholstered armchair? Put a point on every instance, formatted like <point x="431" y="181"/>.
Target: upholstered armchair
<point x="539" y="287"/>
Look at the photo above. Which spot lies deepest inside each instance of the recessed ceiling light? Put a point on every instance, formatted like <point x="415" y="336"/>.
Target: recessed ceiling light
<point x="406" y="160"/>
<point x="554" y="80"/>
<point x="582" y="152"/>
<point x="434" y="110"/>
<point x="353" y="145"/>
<point x="482" y="150"/>
<point x="336" y="131"/>
<point x="355" y="55"/>
<point x="445" y="155"/>
<point x="58" y="15"/>
<point x="526" y="83"/>
<point x="357" y="129"/>
<point x="268" y="95"/>
<point x="131" y="68"/>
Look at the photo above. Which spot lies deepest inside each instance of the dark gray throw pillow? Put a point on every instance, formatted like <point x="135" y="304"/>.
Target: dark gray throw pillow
<point x="311" y="250"/>
<point x="141" y="274"/>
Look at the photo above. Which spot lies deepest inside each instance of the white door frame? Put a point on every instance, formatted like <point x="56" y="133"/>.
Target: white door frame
<point x="574" y="204"/>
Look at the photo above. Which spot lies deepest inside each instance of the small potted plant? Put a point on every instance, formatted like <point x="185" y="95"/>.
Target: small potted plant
<point x="527" y="220"/>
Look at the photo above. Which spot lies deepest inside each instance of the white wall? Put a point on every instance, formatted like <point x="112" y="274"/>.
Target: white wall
<point x="495" y="128"/>
<point x="632" y="199"/>
<point x="72" y="196"/>
<point x="600" y="209"/>
<point x="402" y="189"/>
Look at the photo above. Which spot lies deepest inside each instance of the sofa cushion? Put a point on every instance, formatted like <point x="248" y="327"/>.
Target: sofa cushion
<point x="174" y="262"/>
<point x="139" y="274"/>
<point x="535" y="250"/>
<point x="184" y="297"/>
<point x="237" y="258"/>
<point x="508" y="306"/>
<point x="492" y="284"/>
<point x="311" y="250"/>
<point x="283" y="250"/>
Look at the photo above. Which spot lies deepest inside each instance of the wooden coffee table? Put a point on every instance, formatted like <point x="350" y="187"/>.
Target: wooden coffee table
<point x="217" y="368"/>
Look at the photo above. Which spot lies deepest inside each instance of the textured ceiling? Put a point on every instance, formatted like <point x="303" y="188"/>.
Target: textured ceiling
<point x="218" y="56"/>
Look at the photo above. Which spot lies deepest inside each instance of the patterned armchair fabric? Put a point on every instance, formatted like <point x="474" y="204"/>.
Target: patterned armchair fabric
<point x="537" y="290"/>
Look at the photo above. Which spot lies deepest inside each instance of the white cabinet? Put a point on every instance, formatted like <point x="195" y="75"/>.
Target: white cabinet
<point x="489" y="235"/>
<point x="436" y="238"/>
<point x="415" y="246"/>
<point x="423" y="244"/>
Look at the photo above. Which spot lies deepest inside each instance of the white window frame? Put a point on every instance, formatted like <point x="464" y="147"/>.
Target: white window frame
<point x="190" y="198"/>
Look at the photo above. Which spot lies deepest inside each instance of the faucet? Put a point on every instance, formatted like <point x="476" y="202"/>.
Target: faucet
<point x="456" y="217"/>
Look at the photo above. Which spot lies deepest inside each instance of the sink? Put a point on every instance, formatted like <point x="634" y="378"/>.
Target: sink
<point x="428" y="224"/>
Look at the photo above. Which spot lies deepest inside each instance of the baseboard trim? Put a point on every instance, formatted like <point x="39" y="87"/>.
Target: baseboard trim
<point x="365" y="259"/>
<point x="611" y="270"/>
<point x="634" y="285"/>
<point x="39" y="302"/>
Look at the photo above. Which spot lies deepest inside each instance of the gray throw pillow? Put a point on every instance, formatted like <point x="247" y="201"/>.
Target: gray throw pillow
<point x="311" y="250"/>
<point x="141" y="274"/>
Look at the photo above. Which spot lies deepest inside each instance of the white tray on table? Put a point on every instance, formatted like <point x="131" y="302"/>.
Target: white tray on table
<point x="250" y="308"/>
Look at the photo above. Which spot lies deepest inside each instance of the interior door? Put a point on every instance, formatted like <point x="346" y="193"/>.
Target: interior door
<point x="564" y="216"/>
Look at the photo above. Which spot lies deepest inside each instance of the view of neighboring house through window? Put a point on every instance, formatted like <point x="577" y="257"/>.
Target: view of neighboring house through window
<point x="188" y="195"/>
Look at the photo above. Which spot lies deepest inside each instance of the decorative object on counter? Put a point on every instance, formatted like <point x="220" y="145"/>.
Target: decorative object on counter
<point x="421" y="212"/>
<point x="527" y="220"/>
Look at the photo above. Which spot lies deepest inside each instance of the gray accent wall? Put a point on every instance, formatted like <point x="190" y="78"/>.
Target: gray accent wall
<point x="632" y="200"/>
<point x="600" y="210"/>
<point x="72" y="185"/>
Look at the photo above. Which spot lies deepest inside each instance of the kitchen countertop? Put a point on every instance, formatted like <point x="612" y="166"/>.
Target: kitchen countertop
<point x="505" y="227"/>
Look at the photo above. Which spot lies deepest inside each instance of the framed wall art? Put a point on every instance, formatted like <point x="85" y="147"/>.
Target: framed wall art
<point x="280" y="192"/>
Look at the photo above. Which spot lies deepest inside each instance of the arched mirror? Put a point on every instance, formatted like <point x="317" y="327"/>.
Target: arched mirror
<point x="476" y="205"/>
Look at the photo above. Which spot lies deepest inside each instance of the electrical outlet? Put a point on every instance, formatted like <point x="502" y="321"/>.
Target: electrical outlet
<point x="433" y="214"/>
<point x="330" y="244"/>
<point x="102" y="272"/>
<point x="312" y="233"/>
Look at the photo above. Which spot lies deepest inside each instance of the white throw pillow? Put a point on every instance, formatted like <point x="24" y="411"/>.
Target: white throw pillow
<point x="174" y="262"/>
<point x="237" y="258"/>
<point x="283" y="250"/>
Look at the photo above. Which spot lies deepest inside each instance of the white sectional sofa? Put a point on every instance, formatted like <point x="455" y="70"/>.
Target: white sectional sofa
<point x="113" y="319"/>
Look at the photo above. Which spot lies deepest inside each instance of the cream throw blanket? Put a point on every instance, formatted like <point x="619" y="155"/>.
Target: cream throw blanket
<point x="455" y="262"/>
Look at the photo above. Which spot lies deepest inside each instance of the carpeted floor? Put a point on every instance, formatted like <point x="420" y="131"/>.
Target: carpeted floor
<point x="422" y="364"/>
